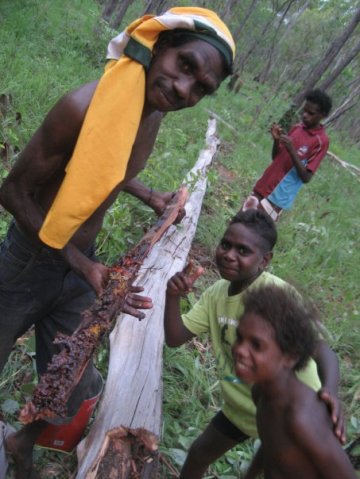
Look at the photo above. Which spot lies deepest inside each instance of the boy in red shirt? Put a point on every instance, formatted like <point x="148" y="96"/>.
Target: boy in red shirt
<point x="295" y="156"/>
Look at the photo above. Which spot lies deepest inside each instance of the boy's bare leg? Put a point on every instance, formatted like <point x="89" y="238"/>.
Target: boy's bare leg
<point x="205" y="450"/>
<point x="20" y="445"/>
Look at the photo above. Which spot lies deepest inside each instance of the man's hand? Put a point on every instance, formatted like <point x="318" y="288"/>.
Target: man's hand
<point x="336" y="411"/>
<point x="158" y="202"/>
<point x="181" y="283"/>
<point x="134" y="302"/>
<point x="97" y="275"/>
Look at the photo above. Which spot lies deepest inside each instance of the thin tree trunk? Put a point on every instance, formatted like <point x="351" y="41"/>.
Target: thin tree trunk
<point x="348" y="58"/>
<point x="240" y="65"/>
<point x="263" y="75"/>
<point x="119" y="13"/>
<point x="275" y="54"/>
<point x="237" y="33"/>
<point x="349" y="102"/>
<point x="328" y="58"/>
<point x="228" y="9"/>
<point x="109" y="8"/>
<point x="155" y="7"/>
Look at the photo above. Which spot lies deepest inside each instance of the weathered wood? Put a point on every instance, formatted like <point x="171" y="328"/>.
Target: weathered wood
<point x="133" y="391"/>
<point x="126" y="453"/>
<point x="65" y="370"/>
<point x="354" y="170"/>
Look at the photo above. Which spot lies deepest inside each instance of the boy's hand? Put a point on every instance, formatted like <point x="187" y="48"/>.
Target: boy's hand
<point x="134" y="302"/>
<point x="337" y="415"/>
<point x="286" y="141"/>
<point x="181" y="283"/>
<point x="276" y="131"/>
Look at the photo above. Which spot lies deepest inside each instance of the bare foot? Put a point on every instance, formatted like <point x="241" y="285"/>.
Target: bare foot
<point x="21" y="453"/>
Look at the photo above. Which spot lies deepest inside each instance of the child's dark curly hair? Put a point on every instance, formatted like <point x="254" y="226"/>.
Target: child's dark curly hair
<point x="261" y="223"/>
<point x="291" y="317"/>
<point x="321" y="99"/>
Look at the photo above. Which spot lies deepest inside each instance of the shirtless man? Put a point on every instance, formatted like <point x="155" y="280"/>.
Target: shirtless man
<point x="48" y="287"/>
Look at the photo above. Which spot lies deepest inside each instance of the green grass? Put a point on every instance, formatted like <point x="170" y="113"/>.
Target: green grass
<point x="49" y="47"/>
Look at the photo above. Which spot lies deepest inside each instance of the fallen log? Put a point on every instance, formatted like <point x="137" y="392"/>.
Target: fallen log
<point x="354" y="170"/>
<point x="66" y="368"/>
<point x="132" y="398"/>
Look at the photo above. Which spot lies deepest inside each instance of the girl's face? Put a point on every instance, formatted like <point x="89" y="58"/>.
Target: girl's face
<point x="257" y="356"/>
<point x="240" y="256"/>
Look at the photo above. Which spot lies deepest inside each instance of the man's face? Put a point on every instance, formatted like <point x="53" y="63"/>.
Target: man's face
<point x="240" y="256"/>
<point x="257" y="356"/>
<point x="311" y="116"/>
<point x="178" y="77"/>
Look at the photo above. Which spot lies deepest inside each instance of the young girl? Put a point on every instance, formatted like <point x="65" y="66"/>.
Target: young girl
<point x="275" y="338"/>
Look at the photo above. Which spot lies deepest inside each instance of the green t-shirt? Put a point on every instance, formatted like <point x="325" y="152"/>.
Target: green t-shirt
<point x="217" y="313"/>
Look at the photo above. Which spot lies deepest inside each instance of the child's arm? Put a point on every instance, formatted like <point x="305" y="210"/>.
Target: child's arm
<point x="328" y="370"/>
<point x="275" y="131"/>
<point x="179" y="285"/>
<point x="320" y="447"/>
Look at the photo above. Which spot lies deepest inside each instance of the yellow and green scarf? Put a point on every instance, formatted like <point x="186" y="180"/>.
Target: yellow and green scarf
<point x="102" y="151"/>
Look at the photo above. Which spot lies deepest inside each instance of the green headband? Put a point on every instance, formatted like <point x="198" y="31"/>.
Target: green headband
<point x="142" y="54"/>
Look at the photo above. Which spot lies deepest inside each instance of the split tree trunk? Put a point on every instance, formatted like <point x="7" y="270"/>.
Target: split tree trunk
<point x="132" y="398"/>
<point x="50" y="396"/>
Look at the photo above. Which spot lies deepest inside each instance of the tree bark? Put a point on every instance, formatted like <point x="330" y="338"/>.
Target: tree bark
<point x="240" y="65"/>
<point x="119" y="13"/>
<point x="249" y="11"/>
<point x="133" y="392"/>
<point x="155" y="7"/>
<point x="66" y="368"/>
<point x="328" y="58"/>
<point x="348" y="58"/>
<point x="109" y="9"/>
<point x="349" y="102"/>
<point x="262" y="76"/>
<point x="228" y="9"/>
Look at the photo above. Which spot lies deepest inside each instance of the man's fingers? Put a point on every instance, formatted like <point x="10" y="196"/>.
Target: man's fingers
<point x="136" y="289"/>
<point x="139" y="302"/>
<point x="133" y="312"/>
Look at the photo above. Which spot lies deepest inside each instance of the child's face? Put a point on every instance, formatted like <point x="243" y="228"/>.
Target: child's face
<point x="311" y="116"/>
<point x="257" y="356"/>
<point x="239" y="255"/>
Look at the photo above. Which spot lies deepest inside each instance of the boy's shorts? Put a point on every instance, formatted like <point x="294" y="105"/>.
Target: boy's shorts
<point x="222" y="424"/>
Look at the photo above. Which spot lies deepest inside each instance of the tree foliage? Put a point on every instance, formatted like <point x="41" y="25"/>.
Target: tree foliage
<point x="291" y="45"/>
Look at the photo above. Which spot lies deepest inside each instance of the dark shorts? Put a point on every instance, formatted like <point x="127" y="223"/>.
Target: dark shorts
<point x="222" y="424"/>
<point x="38" y="288"/>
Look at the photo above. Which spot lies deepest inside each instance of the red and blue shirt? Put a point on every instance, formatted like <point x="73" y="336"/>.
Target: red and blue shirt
<point x="280" y="182"/>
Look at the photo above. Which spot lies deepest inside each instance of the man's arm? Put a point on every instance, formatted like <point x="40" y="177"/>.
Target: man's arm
<point x="41" y="163"/>
<point x="154" y="199"/>
<point x="328" y="369"/>
<point x="179" y="285"/>
<point x="304" y="174"/>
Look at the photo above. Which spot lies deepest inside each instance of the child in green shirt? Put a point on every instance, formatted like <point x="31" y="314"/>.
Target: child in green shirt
<point x="241" y="256"/>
